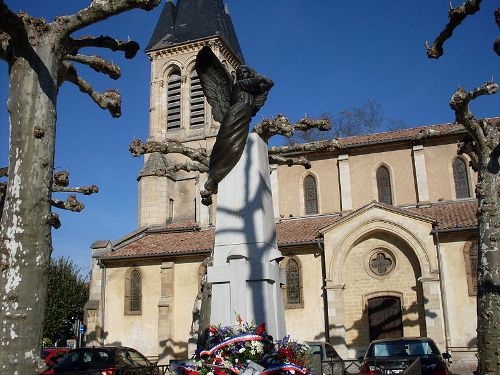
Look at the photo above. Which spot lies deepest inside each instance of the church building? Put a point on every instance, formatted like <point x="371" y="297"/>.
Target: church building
<point x="379" y="236"/>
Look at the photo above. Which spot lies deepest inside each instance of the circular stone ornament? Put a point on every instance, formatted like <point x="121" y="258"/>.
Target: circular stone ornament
<point x="381" y="262"/>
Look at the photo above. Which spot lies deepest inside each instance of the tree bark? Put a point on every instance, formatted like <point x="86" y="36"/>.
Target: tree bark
<point x="25" y="223"/>
<point x="483" y="146"/>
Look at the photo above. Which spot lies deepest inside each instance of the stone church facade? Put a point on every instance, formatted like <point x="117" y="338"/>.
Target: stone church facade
<point x="378" y="237"/>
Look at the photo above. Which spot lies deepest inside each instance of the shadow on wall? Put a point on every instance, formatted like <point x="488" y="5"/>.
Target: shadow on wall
<point x="92" y="336"/>
<point x="173" y="349"/>
<point x="361" y="326"/>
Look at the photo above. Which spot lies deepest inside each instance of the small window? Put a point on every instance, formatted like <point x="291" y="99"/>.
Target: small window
<point x="170" y="210"/>
<point x="461" y="178"/>
<point x="384" y="186"/>
<point x="310" y="196"/>
<point x="471" y="263"/>
<point x="174" y="100"/>
<point x="133" y="292"/>
<point x="293" y="287"/>
<point x="196" y="102"/>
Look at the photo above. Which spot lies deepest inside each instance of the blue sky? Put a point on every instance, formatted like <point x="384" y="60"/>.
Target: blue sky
<point x="324" y="56"/>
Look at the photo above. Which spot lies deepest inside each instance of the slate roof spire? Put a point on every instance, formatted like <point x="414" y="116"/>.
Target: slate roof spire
<point x="190" y="20"/>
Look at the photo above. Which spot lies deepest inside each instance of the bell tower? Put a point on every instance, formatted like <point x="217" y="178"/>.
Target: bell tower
<point x="178" y="108"/>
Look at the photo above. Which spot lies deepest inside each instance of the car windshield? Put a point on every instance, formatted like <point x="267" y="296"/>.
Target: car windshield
<point x="402" y="348"/>
<point x="82" y="359"/>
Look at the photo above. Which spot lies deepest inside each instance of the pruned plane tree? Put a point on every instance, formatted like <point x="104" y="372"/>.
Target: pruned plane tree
<point x="482" y="145"/>
<point x="267" y="128"/>
<point x="41" y="56"/>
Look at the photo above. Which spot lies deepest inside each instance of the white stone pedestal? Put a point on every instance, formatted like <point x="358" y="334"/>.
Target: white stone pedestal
<point x="245" y="275"/>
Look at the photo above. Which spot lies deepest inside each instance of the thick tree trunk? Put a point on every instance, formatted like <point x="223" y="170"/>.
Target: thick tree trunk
<point x="24" y="227"/>
<point x="488" y="300"/>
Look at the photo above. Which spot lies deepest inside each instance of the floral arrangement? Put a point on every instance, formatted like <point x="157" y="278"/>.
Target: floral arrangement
<point x="230" y="350"/>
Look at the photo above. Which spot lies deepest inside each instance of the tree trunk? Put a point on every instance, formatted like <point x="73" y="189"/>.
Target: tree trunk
<point x="24" y="227"/>
<point x="488" y="300"/>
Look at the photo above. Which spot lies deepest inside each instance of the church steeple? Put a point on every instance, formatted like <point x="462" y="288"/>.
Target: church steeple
<point x="192" y="20"/>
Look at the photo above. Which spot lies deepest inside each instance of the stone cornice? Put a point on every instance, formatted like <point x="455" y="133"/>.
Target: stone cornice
<point x="195" y="46"/>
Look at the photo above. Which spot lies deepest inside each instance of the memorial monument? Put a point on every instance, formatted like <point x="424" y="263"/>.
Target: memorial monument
<point x="245" y="274"/>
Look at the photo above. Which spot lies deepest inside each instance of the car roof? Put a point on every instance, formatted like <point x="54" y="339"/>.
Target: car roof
<point x="402" y="339"/>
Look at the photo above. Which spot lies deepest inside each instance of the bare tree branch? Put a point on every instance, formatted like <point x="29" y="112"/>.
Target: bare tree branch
<point x="455" y="18"/>
<point x="61" y="178"/>
<point x="5" y="47"/>
<point x="467" y="147"/>
<point x="129" y="47"/>
<point x="188" y="167"/>
<point x="70" y="204"/>
<point x="10" y="22"/>
<point x="169" y="146"/>
<point x="459" y="102"/>
<point x="99" y="10"/>
<point x="98" y="64"/>
<point x="290" y="161"/>
<point x="496" y="45"/>
<point x="110" y="99"/>
<point x="304" y="147"/>
<point x="85" y="190"/>
<point x="54" y="221"/>
<point x="280" y="125"/>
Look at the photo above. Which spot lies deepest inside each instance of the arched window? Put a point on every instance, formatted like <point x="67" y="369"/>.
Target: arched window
<point x="384" y="185"/>
<point x="174" y="100"/>
<point x="461" y="178"/>
<point x="133" y="292"/>
<point x="293" y="287"/>
<point x="196" y="102"/>
<point x="471" y="264"/>
<point x="310" y="196"/>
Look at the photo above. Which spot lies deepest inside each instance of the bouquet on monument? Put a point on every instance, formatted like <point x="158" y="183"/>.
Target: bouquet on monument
<point x="233" y="349"/>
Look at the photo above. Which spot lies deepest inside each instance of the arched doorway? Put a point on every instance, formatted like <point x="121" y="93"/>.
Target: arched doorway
<point x="385" y="317"/>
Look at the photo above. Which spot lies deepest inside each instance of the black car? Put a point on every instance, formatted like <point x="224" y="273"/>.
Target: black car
<point x="106" y="360"/>
<point x="393" y="356"/>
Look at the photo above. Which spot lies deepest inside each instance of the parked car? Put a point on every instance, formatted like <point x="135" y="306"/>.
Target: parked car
<point x="324" y="359"/>
<point x="52" y="356"/>
<point x="106" y="360"/>
<point x="393" y="356"/>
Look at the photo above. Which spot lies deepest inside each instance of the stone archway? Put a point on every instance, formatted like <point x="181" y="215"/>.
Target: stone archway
<point x="402" y="266"/>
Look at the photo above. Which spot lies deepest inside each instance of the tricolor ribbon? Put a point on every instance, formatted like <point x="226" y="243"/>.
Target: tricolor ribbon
<point x="284" y="367"/>
<point x="232" y="340"/>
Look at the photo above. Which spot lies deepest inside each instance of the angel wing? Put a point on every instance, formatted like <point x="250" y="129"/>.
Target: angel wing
<point x="215" y="82"/>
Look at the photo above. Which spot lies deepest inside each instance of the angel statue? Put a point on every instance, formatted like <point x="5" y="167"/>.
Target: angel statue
<point x="233" y="105"/>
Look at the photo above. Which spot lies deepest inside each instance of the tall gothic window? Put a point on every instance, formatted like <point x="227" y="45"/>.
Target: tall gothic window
<point x="196" y="102"/>
<point x="133" y="292"/>
<point x="461" y="178"/>
<point x="174" y="100"/>
<point x="471" y="264"/>
<point x="384" y="185"/>
<point x="310" y="195"/>
<point x="293" y="288"/>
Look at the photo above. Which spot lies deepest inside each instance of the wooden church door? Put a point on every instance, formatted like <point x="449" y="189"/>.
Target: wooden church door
<point x="385" y="318"/>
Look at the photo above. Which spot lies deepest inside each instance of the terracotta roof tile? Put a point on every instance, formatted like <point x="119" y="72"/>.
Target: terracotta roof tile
<point x="163" y="243"/>
<point x="450" y="215"/>
<point x="186" y="238"/>
<point x="301" y="230"/>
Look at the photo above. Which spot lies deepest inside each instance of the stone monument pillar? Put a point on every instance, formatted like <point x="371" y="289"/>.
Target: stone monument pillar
<point x="245" y="274"/>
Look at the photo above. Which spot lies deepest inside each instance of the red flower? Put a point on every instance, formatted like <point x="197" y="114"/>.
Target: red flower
<point x="261" y="329"/>
<point x="285" y="352"/>
<point x="213" y="329"/>
<point x="218" y="371"/>
<point x="189" y="372"/>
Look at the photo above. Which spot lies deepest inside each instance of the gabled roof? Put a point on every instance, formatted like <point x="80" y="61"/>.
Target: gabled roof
<point x="187" y="238"/>
<point x="190" y="20"/>
<point x="415" y="135"/>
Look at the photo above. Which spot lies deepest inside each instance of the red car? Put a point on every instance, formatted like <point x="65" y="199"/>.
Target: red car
<point x="52" y="356"/>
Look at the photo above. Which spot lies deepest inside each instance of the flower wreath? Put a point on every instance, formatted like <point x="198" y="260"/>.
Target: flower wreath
<point x="229" y="350"/>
